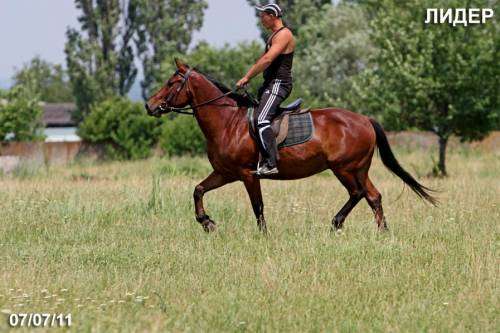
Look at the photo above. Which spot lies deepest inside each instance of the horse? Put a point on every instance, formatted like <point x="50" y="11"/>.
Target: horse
<point x="343" y="142"/>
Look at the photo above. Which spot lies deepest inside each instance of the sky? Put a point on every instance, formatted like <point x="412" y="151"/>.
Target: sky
<point x="37" y="27"/>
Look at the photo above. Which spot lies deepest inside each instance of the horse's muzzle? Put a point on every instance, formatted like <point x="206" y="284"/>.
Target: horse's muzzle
<point x="156" y="112"/>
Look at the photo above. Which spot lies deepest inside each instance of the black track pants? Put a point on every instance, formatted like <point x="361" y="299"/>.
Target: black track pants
<point x="271" y="94"/>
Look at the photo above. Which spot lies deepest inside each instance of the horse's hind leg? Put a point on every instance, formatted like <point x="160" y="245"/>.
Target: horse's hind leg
<point x="374" y="199"/>
<point x="356" y="192"/>
<point x="252" y="185"/>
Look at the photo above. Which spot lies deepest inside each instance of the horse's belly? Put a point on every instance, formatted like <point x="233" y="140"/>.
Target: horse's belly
<point x="301" y="161"/>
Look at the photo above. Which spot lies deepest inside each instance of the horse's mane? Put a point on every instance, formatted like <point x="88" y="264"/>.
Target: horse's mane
<point x="241" y="100"/>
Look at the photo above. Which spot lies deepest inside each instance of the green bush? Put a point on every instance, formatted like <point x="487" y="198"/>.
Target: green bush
<point x="123" y="127"/>
<point x="20" y="115"/>
<point x="182" y="135"/>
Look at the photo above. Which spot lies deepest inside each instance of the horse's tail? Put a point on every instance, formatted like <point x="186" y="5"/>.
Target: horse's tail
<point x="393" y="165"/>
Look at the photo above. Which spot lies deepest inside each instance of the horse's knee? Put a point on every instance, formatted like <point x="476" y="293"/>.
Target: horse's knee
<point x="198" y="192"/>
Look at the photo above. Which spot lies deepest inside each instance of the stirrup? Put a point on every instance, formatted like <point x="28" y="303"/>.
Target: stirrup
<point x="264" y="170"/>
<point x="267" y="172"/>
<point x="256" y="171"/>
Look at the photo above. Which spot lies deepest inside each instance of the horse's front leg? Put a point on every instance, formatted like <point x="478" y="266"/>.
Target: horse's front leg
<point x="213" y="181"/>
<point x="252" y="185"/>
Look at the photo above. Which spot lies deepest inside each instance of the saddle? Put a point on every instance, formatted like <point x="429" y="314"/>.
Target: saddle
<point x="280" y="124"/>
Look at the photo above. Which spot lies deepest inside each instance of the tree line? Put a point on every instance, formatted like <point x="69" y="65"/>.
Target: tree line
<point x="374" y="57"/>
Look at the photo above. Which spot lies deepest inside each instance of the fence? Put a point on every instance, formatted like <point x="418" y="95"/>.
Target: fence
<point x="60" y="153"/>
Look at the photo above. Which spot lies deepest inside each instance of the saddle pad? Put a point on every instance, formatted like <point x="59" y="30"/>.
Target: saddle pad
<point x="300" y="129"/>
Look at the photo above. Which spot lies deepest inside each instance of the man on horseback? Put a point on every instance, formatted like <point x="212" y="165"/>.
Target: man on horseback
<point x="276" y="66"/>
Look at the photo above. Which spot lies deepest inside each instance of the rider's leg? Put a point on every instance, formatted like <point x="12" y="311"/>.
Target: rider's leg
<point x="256" y="113"/>
<point x="271" y="98"/>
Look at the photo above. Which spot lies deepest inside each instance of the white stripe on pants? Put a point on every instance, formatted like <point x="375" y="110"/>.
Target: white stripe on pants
<point x="269" y="102"/>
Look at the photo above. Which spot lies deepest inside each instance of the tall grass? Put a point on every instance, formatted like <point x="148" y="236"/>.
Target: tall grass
<point x="117" y="246"/>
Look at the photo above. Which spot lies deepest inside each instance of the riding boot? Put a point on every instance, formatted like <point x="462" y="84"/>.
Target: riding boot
<point x="269" y="144"/>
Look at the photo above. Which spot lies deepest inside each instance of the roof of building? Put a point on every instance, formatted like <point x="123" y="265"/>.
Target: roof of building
<point x="58" y="114"/>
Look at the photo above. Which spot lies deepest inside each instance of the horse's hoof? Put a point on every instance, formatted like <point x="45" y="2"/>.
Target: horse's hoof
<point x="263" y="230"/>
<point x="383" y="229"/>
<point x="209" y="226"/>
<point x="337" y="231"/>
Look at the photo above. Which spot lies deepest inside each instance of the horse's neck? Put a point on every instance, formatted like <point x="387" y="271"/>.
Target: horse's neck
<point x="217" y="117"/>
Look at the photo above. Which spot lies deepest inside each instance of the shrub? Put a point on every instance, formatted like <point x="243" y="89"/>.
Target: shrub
<point x="123" y="127"/>
<point x="20" y="115"/>
<point x="182" y="135"/>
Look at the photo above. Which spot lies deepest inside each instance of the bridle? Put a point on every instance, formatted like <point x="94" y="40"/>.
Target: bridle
<point x="164" y="107"/>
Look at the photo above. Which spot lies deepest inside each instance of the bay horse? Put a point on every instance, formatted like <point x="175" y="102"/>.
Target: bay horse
<point x="343" y="142"/>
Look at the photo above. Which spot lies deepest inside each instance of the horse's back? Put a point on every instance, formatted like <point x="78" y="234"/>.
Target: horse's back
<point x="341" y="117"/>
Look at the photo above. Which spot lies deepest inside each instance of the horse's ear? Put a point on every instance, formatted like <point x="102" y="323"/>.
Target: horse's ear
<point x="180" y="65"/>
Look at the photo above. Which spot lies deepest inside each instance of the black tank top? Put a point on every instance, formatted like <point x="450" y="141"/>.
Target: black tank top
<point x="281" y="67"/>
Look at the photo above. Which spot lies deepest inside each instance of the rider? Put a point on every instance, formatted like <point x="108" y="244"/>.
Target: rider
<point x="276" y="64"/>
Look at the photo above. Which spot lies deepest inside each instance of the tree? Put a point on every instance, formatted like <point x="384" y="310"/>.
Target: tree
<point x="437" y="78"/>
<point x="49" y="81"/>
<point x="164" y="28"/>
<point x="20" y="115"/>
<point x="331" y="49"/>
<point x="296" y="12"/>
<point x="227" y="64"/>
<point x="100" y="57"/>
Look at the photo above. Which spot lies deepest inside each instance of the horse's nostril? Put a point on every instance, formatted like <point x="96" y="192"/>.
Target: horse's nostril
<point x="147" y="107"/>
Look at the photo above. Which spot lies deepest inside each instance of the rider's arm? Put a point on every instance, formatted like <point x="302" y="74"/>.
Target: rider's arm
<point x="280" y="42"/>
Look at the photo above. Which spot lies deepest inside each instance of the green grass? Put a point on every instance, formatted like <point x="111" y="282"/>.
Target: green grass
<point x="117" y="246"/>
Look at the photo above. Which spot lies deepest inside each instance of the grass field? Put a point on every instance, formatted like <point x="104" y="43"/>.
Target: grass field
<point x="116" y="245"/>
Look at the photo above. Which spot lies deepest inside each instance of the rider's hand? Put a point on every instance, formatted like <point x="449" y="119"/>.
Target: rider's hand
<point x="243" y="82"/>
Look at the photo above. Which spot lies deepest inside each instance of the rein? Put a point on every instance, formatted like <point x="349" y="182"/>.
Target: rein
<point x="181" y="110"/>
<point x="164" y="108"/>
